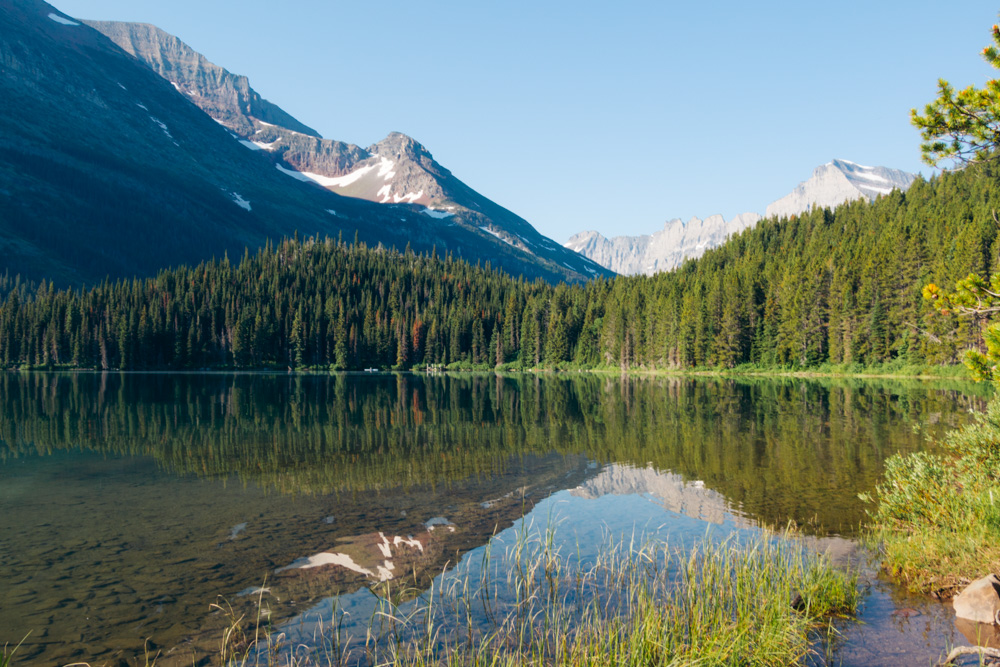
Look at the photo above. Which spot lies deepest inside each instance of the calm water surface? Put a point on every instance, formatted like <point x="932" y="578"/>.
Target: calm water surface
<point x="132" y="502"/>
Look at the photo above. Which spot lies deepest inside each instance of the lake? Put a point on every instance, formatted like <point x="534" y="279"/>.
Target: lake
<point x="133" y="503"/>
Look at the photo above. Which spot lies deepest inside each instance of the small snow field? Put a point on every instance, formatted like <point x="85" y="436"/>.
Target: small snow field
<point x="493" y="233"/>
<point x="291" y="172"/>
<point x="412" y="196"/>
<point x="163" y="126"/>
<point x="258" y="145"/>
<point x="62" y="19"/>
<point x="240" y="201"/>
<point x="337" y="181"/>
<point x="434" y="213"/>
<point x="385" y="168"/>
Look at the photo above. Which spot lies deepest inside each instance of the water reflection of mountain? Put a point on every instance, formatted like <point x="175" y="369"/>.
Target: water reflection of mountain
<point x="122" y="485"/>
<point x="776" y="449"/>
<point x="101" y="552"/>
<point x="689" y="498"/>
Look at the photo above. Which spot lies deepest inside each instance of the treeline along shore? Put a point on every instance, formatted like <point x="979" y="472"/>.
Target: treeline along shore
<point x="841" y="286"/>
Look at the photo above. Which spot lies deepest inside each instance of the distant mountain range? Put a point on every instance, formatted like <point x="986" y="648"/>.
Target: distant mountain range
<point x="830" y="185"/>
<point x="663" y="250"/>
<point x="121" y="161"/>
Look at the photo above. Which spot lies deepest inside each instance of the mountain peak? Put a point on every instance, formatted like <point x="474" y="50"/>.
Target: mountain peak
<point x="840" y="181"/>
<point x="398" y="145"/>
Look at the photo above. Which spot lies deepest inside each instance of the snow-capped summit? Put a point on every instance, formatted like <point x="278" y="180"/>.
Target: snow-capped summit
<point x="837" y="182"/>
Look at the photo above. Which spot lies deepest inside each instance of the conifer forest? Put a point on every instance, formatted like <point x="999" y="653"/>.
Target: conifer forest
<point x="841" y="286"/>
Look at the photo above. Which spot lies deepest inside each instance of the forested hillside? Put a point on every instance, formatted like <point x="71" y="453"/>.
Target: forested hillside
<point x="841" y="286"/>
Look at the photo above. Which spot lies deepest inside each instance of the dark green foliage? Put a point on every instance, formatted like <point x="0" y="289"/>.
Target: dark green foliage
<point x="963" y="127"/>
<point x="840" y="287"/>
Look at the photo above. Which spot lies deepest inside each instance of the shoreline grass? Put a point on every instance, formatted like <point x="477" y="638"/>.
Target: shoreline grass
<point x="889" y="370"/>
<point x="936" y="519"/>
<point x="767" y="600"/>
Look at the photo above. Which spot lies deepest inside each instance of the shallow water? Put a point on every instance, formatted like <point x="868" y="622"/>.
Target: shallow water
<point x="132" y="502"/>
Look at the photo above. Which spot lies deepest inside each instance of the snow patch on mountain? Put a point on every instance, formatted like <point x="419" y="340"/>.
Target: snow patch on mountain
<point x="411" y="196"/>
<point x="162" y="125"/>
<point x="493" y="233"/>
<point x="291" y="172"/>
<point x="240" y="201"/>
<point x="326" y="181"/>
<point x="258" y="145"/>
<point x="61" y="19"/>
<point x="435" y="213"/>
<point x="385" y="168"/>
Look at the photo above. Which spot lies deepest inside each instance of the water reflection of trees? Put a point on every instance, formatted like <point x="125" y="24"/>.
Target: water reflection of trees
<point x="776" y="448"/>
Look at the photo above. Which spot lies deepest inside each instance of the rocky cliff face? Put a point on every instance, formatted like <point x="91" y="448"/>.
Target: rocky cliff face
<point x="837" y="182"/>
<point x="230" y="100"/>
<point x="830" y="185"/>
<point x="663" y="250"/>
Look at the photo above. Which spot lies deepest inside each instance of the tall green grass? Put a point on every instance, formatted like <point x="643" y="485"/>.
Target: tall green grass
<point x="7" y="653"/>
<point x="937" y="518"/>
<point x="765" y="601"/>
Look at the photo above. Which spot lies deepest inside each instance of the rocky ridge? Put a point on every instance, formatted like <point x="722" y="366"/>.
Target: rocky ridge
<point x="396" y="171"/>
<point x="663" y="250"/>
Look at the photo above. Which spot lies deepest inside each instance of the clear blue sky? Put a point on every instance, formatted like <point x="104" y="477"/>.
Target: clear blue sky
<point x="608" y="116"/>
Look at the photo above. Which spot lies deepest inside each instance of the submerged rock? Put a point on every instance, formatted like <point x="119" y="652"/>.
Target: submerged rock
<point x="980" y="601"/>
<point x="979" y="634"/>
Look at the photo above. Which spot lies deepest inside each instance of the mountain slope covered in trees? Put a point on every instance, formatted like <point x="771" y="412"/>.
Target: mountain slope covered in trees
<point x="841" y="286"/>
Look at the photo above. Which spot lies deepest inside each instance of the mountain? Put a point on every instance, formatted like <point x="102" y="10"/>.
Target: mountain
<point x="830" y="185"/>
<point x="837" y="182"/>
<point x="663" y="250"/>
<point x="108" y="170"/>
<point x="397" y="171"/>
